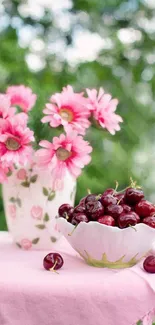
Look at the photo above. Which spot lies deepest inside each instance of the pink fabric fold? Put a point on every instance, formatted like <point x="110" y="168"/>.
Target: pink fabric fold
<point x="78" y="295"/>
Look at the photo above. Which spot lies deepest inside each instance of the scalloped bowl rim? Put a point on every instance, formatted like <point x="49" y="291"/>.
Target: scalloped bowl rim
<point x="109" y="228"/>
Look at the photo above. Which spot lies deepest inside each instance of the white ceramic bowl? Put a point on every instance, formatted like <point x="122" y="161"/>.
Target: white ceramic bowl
<point x="105" y="246"/>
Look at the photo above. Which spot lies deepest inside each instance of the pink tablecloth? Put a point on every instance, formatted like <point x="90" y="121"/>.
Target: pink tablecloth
<point x="78" y="295"/>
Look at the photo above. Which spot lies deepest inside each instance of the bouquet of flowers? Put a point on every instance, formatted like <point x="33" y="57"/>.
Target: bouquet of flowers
<point x="74" y="112"/>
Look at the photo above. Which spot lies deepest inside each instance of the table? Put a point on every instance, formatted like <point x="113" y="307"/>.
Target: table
<point x="78" y="295"/>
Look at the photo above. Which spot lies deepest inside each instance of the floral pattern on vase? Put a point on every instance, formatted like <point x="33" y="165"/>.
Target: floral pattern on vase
<point x="36" y="212"/>
<point x="32" y="208"/>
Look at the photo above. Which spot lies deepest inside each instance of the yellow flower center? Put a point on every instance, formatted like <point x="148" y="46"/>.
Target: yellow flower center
<point x="66" y="114"/>
<point x="63" y="154"/>
<point x="12" y="144"/>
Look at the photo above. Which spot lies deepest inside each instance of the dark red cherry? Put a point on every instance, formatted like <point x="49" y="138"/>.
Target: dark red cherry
<point x="82" y="201"/>
<point x="63" y="210"/>
<point x="90" y="198"/>
<point x="120" y="198"/>
<point x="70" y="215"/>
<point x="126" y="208"/>
<point x="107" y="220"/>
<point x="149" y="264"/>
<point x="150" y="221"/>
<point x="144" y="208"/>
<point x="133" y="195"/>
<point x="108" y="199"/>
<point x="79" y="209"/>
<point x="109" y="191"/>
<point x="79" y="217"/>
<point x="53" y="261"/>
<point x="94" y="209"/>
<point x="127" y="219"/>
<point x="114" y="210"/>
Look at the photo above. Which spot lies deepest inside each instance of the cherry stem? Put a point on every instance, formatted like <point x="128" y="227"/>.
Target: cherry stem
<point x="116" y="187"/>
<point x="119" y="202"/>
<point x="53" y="267"/>
<point x="98" y="196"/>
<point x="134" y="184"/>
<point x="133" y="227"/>
<point x="88" y="191"/>
<point x="67" y="217"/>
<point x="72" y="231"/>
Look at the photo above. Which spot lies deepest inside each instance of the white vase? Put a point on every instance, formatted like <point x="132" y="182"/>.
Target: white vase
<point x="31" y="207"/>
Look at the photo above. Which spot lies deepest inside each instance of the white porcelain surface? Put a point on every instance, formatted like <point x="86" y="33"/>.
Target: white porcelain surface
<point x="98" y="242"/>
<point x="31" y="207"/>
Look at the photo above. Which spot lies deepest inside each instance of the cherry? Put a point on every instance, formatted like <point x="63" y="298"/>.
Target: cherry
<point x="120" y="198"/>
<point x="79" y="208"/>
<point x="127" y="219"/>
<point x="64" y="210"/>
<point x="144" y="208"/>
<point x="109" y="191"/>
<point x="90" y="198"/>
<point x="114" y="210"/>
<point x="79" y="217"/>
<point x="53" y="261"/>
<point x="133" y="195"/>
<point x="107" y="220"/>
<point x="126" y="208"/>
<point x="82" y="201"/>
<point x="149" y="264"/>
<point x="108" y="199"/>
<point x="150" y="221"/>
<point x="94" y="209"/>
<point x="70" y="214"/>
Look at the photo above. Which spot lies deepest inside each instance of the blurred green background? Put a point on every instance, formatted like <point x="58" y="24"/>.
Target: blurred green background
<point x="48" y="44"/>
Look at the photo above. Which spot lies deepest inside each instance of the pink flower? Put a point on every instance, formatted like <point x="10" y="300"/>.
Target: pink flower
<point x="68" y="109"/>
<point x="3" y="172"/>
<point x="26" y="244"/>
<point x="22" y="96"/>
<point x="12" y="211"/>
<point x="67" y="153"/>
<point x="103" y="107"/>
<point x="21" y="174"/>
<point x="5" y="109"/>
<point x="15" y="140"/>
<point x="36" y="212"/>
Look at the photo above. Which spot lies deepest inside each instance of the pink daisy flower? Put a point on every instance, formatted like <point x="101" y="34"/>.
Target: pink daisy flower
<point x="5" y="109"/>
<point x="67" y="153"/>
<point x="104" y="107"/>
<point x="22" y="96"/>
<point x="15" y="140"/>
<point x="68" y="109"/>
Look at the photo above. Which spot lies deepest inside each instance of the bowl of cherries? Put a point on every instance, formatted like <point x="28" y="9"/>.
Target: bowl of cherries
<point x="113" y="229"/>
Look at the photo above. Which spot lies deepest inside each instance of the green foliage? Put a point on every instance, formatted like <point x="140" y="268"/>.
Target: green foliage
<point x="124" y="66"/>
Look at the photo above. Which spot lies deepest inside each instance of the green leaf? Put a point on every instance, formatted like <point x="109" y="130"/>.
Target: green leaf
<point x="12" y="199"/>
<point x="51" y="196"/>
<point x="53" y="239"/>
<point x="25" y="184"/>
<point x="40" y="226"/>
<point x="18" y="245"/>
<point x="18" y="201"/>
<point x="33" y="178"/>
<point x="35" y="240"/>
<point x="139" y="322"/>
<point x="46" y="217"/>
<point x="45" y="191"/>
